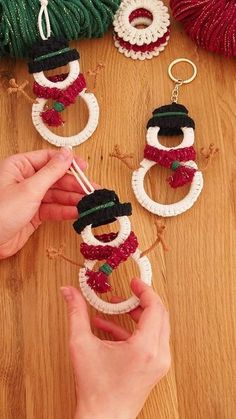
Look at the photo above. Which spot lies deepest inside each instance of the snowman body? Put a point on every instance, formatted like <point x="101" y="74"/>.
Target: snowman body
<point x="115" y="248"/>
<point x="180" y="159"/>
<point x="62" y="88"/>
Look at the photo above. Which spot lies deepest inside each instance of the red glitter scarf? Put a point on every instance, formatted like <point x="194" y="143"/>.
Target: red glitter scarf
<point x="62" y="98"/>
<point x="171" y="159"/>
<point x="98" y="280"/>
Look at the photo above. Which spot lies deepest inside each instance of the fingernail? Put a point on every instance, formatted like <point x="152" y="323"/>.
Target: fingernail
<point x="67" y="293"/>
<point x="64" y="153"/>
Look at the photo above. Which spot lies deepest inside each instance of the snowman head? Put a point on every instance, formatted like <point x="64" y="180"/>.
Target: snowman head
<point x="99" y="208"/>
<point x="50" y="54"/>
<point x="170" y="120"/>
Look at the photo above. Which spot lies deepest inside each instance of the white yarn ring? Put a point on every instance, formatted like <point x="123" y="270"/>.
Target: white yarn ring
<point x="165" y="210"/>
<point x="125" y="30"/>
<point x="114" y="308"/>
<point x="153" y="140"/>
<point x="73" y="140"/>
<point x="74" y="70"/>
<point x="124" y="232"/>
<point x="139" y="55"/>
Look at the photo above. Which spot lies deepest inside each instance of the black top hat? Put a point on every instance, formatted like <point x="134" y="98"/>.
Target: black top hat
<point x="50" y="53"/>
<point x="100" y="208"/>
<point x="170" y="118"/>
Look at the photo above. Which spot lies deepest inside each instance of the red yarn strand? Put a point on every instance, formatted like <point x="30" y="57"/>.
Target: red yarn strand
<point x="210" y="23"/>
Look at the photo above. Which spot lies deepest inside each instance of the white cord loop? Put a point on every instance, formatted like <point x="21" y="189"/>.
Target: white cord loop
<point x="44" y="11"/>
<point x="81" y="178"/>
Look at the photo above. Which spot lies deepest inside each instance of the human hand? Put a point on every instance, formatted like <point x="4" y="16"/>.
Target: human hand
<point x="34" y="187"/>
<point x="114" y="378"/>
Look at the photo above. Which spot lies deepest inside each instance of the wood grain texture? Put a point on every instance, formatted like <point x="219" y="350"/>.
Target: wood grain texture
<point x="195" y="279"/>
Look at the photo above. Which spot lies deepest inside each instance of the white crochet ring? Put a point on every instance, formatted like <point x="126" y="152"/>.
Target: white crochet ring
<point x="165" y="210"/>
<point x="73" y="140"/>
<point x="142" y="262"/>
<point x="140" y="55"/>
<point x="124" y="231"/>
<point x="156" y="21"/>
<point x="89" y="99"/>
<point x="115" y="308"/>
<point x="74" y="71"/>
<point x="153" y="139"/>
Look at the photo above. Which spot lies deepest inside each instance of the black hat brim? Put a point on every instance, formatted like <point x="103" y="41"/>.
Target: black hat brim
<point x="171" y="125"/>
<point x="103" y="216"/>
<point x="53" y="62"/>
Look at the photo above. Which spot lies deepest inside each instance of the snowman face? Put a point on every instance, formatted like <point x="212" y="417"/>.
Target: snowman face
<point x="74" y="70"/>
<point x="125" y="230"/>
<point x="153" y="140"/>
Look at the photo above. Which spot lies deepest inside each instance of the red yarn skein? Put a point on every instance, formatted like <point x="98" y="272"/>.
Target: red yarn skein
<point x="210" y="23"/>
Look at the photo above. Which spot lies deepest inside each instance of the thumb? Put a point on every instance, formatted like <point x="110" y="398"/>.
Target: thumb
<point x="42" y="180"/>
<point x="77" y="313"/>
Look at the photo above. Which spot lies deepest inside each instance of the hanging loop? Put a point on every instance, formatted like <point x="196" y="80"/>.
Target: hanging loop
<point x="80" y="177"/>
<point x="44" y="13"/>
<point x="180" y="60"/>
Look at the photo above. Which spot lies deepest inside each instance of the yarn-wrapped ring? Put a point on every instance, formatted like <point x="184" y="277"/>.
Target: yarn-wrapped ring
<point x="145" y="42"/>
<point x="73" y="140"/>
<point x="165" y="210"/>
<point x="124" y="231"/>
<point x="74" y="70"/>
<point x="115" y="308"/>
<point x="153" y="140"/>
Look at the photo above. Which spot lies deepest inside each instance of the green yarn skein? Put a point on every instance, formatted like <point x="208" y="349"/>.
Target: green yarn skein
<point x="72" y="19"/>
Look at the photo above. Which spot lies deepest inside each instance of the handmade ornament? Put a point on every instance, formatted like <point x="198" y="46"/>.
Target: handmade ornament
<point x="141" y="42"/>
<point x="62" y="89"/>
<point x="172" y="119"/>
<point x="97" y="208"/>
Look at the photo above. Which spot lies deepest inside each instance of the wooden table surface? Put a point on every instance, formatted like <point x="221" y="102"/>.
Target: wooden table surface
<point x="195" y="278"/>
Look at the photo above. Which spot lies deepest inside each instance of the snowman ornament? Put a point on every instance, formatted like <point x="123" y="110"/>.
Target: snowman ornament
<point x="62" y="89"/>
<point x="99" y="208"/>
<point x="170" y="120"/>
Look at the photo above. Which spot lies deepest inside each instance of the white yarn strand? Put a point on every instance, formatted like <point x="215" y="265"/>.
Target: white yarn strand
<point x="81" y="178"/>
<point x="44" y="13"/>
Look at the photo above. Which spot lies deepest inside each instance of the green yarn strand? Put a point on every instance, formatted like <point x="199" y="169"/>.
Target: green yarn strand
<point x="72" y="19"/>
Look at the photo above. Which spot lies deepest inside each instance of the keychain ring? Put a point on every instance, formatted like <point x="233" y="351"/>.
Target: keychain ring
<point x="180" y="60"/>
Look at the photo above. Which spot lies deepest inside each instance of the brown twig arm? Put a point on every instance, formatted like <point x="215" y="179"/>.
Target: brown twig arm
<point x="123" y="157"/>
<point x="208" y="154"/>
<point x="19" y="89"/>
<point x="53" y="253"/>
<point x="160" y="228"/>
<point x="95" y="73"/>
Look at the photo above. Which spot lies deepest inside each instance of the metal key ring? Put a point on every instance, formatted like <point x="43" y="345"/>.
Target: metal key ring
<point x="180" y="60"/>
